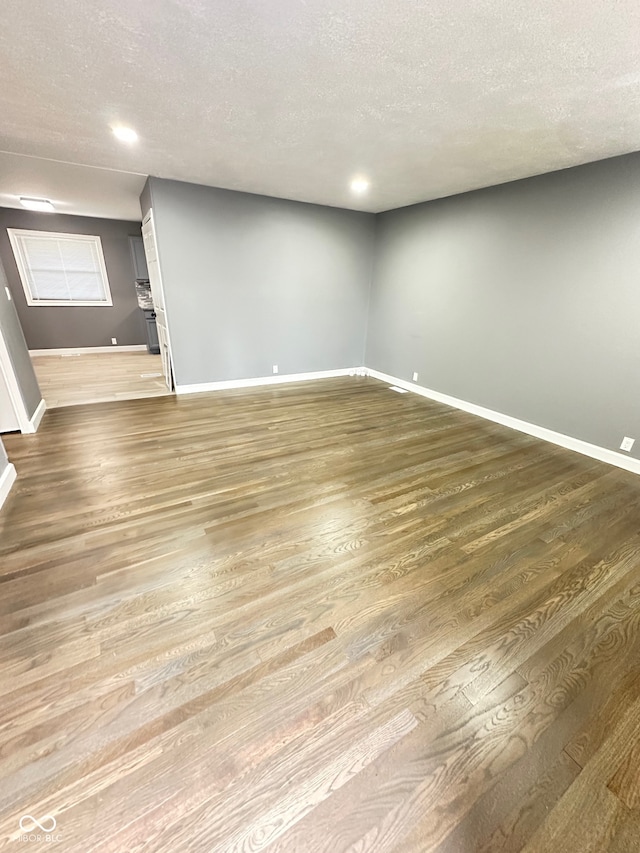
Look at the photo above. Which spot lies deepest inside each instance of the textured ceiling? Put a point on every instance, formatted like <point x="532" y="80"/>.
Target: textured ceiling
<point x="294" y="97"/>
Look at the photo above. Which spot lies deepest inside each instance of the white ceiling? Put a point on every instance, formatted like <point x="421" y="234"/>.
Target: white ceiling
<point x="292" y="98"/>
<point x="81" y="190"/>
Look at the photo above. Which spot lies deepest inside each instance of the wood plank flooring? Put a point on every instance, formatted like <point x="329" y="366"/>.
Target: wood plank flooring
<point x="71" y="380"/>
<point x="316" y="618"/>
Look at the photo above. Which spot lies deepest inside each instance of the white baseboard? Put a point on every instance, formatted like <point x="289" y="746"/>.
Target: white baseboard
<point x="567" y="441"/>
<point x="88" y="350"/>
<point x="278" y="379"/>
<point x="35" y="419"/>
<point x="7" y="479"/>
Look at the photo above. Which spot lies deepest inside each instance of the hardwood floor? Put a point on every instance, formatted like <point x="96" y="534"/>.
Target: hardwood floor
<point x="71" y="380"/>
<point x="316" y="618"/>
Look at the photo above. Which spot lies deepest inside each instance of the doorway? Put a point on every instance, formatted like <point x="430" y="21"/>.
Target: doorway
<point x="74" y="281"/>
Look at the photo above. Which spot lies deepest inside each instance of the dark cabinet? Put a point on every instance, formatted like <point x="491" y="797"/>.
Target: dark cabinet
<point x="153" y="343"/>
<point x="138" y="257"/>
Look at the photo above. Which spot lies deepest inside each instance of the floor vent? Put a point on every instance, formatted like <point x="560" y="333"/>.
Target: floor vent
<point x="399" y="390"/>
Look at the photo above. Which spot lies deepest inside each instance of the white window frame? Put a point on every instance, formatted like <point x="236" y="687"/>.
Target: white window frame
<point x="21" y="261"/>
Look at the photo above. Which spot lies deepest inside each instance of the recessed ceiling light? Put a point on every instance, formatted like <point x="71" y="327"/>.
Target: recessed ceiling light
<point x="40" y="204"/>
<point x="359" y="185"/>
<point x="125" y="134"/>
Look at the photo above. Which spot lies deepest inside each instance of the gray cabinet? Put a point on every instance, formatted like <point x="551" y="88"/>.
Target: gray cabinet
<point x="153" y="343"/>
<point x="138" y="257"/>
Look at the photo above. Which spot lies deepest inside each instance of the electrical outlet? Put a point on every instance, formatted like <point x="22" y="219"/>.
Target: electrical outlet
<point x="415" y="377"/>
<point x="114" y="341"/>
<point x="627" y="443"/>
<point x="275" y="368"/>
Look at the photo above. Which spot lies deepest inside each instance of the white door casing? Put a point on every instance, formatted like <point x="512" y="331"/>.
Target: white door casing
<point x="157" y="294"/>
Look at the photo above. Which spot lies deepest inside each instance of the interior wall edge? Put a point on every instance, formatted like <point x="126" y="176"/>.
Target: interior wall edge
<point x="7" y="479"/>
<point x="34" y="420"/>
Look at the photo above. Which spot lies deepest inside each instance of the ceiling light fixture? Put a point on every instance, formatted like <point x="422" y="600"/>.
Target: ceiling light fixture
<point x="125" y="134"/>
<point x="359" y="185"/>
<point x="39" y="204"/>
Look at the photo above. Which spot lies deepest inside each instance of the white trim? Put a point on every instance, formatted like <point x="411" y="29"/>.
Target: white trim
<point x="7" y="371"/>
<point x="266" y="380"/>
<point x="593" y="450"/>
<point x="16" y="236"/>
<point x="37" y="416"/>
<point x="158" y="296"/>
<point x="7" y="479"/>
<point x="88" y="350"/>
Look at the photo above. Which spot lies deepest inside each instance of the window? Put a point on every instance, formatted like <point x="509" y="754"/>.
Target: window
<point x="60" y="269"/>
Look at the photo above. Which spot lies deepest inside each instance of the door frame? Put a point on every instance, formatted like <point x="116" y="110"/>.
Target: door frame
<point x="170" y="379"/>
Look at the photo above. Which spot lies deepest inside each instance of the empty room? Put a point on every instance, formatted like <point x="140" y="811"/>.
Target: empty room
<point x="319" y="427"/>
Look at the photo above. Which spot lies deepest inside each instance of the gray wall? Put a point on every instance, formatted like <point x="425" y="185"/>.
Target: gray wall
<point x="18" y="352"/>
<point x="60" y="326"/>
<point x="252" y="281"/>
<point x="523" y="298"/>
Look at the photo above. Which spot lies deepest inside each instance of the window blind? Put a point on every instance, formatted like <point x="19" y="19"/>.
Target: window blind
<point x="61" y="268"/>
